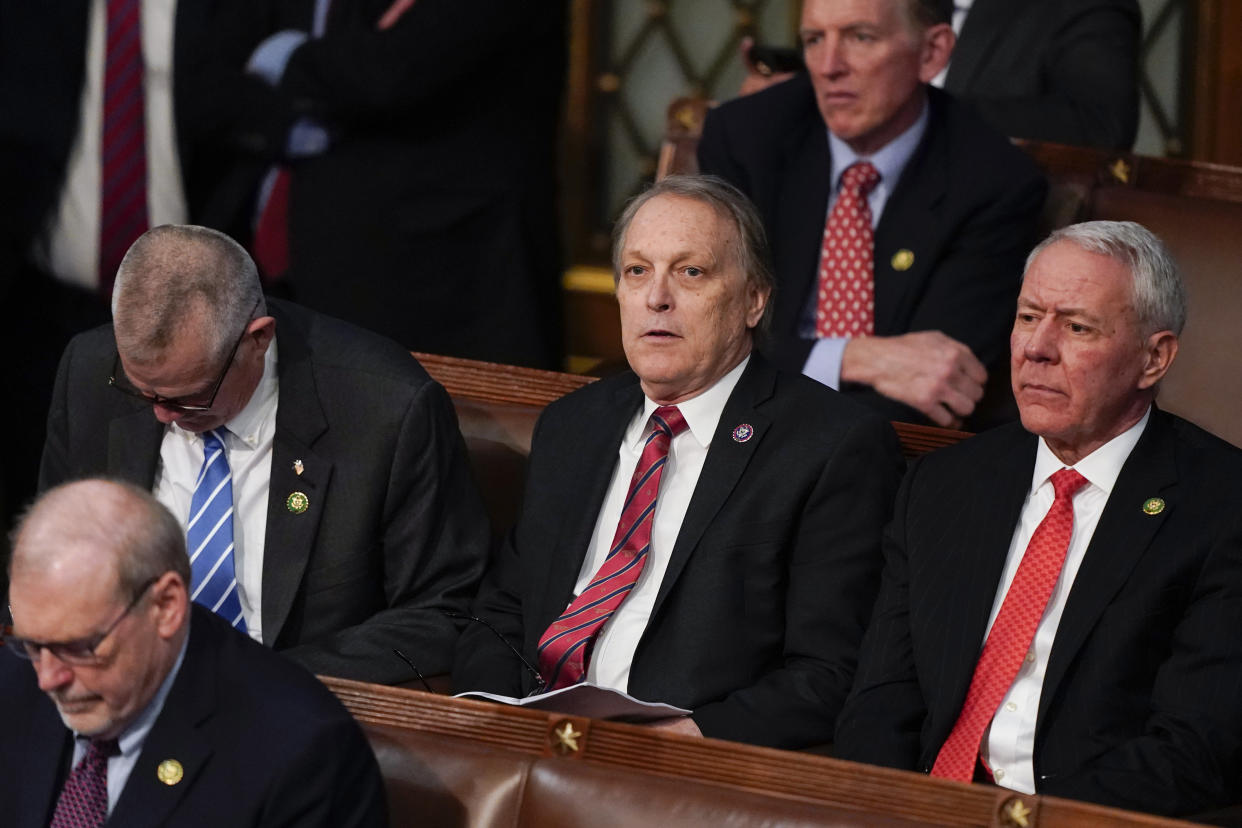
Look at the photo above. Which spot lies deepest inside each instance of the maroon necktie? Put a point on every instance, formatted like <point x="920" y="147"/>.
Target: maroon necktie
<point x="1013" y="630"/>
<point x="845" y="304"/>
<point x="564" y="647"/>
<point x="123" y="183"/>
<point x="83" y="801"/>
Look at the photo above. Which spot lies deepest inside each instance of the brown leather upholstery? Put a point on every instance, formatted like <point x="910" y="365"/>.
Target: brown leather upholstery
<point x="454" y="763"/>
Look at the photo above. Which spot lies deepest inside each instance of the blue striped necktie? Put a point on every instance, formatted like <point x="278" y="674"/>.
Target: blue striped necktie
<point x="210" y="534"/>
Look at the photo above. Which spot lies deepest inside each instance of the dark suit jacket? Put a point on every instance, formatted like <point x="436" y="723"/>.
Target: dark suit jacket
<point x="431" y="218"/>
<point x="395" y="533"/>
<point x="261" y="743"/>
<point x="966" y="207"/>
<point x="757" y="620"/>
<point x="1139" y="707"/>
<point x="1052" y="70"/>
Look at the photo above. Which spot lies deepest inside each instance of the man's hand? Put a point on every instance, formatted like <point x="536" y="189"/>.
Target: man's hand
<point x="756" y="80"/>
<point x="926" y="370"/>
<point x="677" y="724"/>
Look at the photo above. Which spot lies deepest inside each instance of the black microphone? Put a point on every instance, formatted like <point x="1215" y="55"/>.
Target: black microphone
<point x="540" y="684"/>
<point x="417" y="672"/>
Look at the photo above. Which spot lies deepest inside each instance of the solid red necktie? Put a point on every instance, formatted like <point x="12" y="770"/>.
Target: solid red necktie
<point x="83" y="801"/>
<point x="845" y="303"/>
<point x="1013" y="630"/>
<point x="564" y="646"/>
<point x="123" y="183"/>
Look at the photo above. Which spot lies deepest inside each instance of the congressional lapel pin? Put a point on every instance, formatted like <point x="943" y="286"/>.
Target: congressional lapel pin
<point x="1153" y="506"/>
<point x="297" y="502"/>
<point x="298" y="468"/>
<point x="903" y="259"/>
<point x="169" y="772"/>
<point x="743" y="432"/>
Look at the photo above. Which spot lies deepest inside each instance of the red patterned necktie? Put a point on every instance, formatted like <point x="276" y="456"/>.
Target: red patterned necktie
<point x="1012" y="631"/>
<point x="123" y="184"/>
<point x="564" y="647"/>
<point x="845" y="305"/>
<point x="83" y="801"/>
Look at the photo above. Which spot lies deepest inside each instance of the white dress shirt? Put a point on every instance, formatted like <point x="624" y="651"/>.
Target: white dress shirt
<point x="70" y="247"/>
<point x="248" y="449"/>
<point x="1009" y="744"/>
<point x="618" y="640"/>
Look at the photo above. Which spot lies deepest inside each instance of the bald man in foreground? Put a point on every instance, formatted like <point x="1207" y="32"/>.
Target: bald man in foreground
<point x="155" y="711"/>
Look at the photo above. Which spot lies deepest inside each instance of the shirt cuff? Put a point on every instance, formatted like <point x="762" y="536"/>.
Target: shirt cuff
<point x="272" y="55"/>
<point x="824" y="361"/>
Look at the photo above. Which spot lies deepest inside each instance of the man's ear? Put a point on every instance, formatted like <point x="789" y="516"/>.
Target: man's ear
<point x="1160" y="351"/>
<point x="937" y="48"/>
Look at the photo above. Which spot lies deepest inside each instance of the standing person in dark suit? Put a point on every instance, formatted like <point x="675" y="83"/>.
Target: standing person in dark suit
<point x="1061" y="598"/>
<point x="63" y="227"/>
<point x="940" y="215"/>
<point x="744" y="598"/>
<point x="1063" y="71"/>
<point x="424" y="207"/>
<point x="179" y="720"/>
<point x="356" y="521"/>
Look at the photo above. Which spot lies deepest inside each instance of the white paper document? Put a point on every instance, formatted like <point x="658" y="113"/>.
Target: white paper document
<point x="588" y="700"/>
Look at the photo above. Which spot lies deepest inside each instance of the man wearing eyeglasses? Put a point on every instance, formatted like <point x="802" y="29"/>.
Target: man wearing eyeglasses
<point x="316" y="467"/>
<point x="176" y="718"/>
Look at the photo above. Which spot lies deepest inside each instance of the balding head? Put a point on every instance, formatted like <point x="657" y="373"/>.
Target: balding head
<point x="183" y="280"/>
<point x="99" y="597"/>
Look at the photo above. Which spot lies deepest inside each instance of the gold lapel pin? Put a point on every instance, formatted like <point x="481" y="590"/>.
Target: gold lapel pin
<point x="297" y="503"/>
<point x="169" y="772"/>
<point x="903" y="259"/>
<point x="298" y="468"/>
<point x="1153" y="506"/>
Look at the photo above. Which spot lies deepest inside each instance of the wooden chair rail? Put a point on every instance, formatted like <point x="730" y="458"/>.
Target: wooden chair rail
<point x="785" y="774"/>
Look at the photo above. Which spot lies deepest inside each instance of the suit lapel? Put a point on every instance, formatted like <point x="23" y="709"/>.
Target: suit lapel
<point x="726" y="460"/>
<point x="908" y="223"/>
<point x="587" y="484"/>
<point x="290" y="534"/>
<point x="984" y="27"/>
<point x="1121" y="538"/>
<point x="134" y="446"/>
<point x="147" y="802"/>
<point x="971" y="571"/>
<point x="798" y="229"/>
<point x="41" y="775"/>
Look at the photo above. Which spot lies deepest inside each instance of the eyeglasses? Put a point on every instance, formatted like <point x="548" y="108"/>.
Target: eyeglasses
<point x="79" y="652"/>
<point x="186" y="405"/>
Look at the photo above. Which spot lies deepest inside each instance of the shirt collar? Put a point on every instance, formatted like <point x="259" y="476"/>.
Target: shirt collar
<point x="889" y="161"/>
<point x="1101" y="467"/>
<point x="702" y="412"/>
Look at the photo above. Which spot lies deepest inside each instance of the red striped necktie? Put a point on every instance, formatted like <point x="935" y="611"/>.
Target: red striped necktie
<point x="123" y="183"/>
<point x="564" y="649"/>
<point x="1012" y="631"/>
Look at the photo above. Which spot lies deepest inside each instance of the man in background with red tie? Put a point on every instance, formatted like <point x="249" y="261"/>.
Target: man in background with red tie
<point x="898" y="220"/>
<point x="111" y="121"/>
<point x="703" y="531"/>
<point x="1060" y="597"/>
<point x="153" y="711"/>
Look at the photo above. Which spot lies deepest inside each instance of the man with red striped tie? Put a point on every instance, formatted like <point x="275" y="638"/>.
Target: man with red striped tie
<point x="701" y="531"/>
<point x="1060" y="602"/>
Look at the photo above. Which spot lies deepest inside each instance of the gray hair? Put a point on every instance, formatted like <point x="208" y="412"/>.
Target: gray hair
<point x="1157" y="289"/>
<point x="127" y="525"/>
<point x="730" y="204"/>
<point x="928" y="13"/>
<point x="174" y="276"/>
